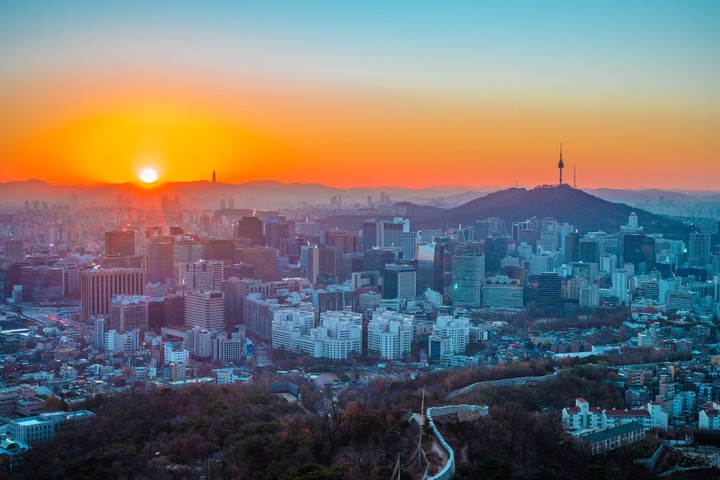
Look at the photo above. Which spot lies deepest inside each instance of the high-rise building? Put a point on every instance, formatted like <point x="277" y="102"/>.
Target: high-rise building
<point x="122" y="342"/>
<point x="263" y="260"/>
<point x="250" y="227"/>
<point x="430" y="258"/>
<point x="99" y="324"/>
<point x="439" y="350"/>
<point x="496" y="249"/>
<point x="409" y="245"/>
<point x="174" y="310"/>
<point x="120" y="242"/>
<point x="155" y="313"/>
<point x="71" y="272"/>
<point x="349" y="264"/>
<point x="375" y="259"/>
<point x="343" y="241"/>
<point x="468" y="277"/>
<point x="323" y="262"/>
<point x="456" y="329"/>
<point x="14" y="250"/>
<point x="399" y="281"/>
<point x="699" y="250"/>
<point x="202" y="275"/>
<point x="232" y="289"/>
<point x="390" y="335"/>
<point x="384" y="233"/>
<point x="205" y="309"/>
<point x="97" y="286"/>
<point x="160" y="262"/>
<point x="589" y="296"/>
<point x="219" y="249"/>
<point x="633" y="250"/>
<point x="188" y="251"/>
<point x="588" y="250"/>
<point x="620" y="285"/>
<point x="127" y="313"/>
<point x="572" y="247"/>
<point x="202" y="345"/>
<point x="549" y="291"/>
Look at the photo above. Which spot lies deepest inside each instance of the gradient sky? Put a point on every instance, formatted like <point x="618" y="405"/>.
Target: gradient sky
<point x="356" y="93"/>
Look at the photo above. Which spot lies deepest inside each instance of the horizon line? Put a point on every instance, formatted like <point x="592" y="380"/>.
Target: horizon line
<point x="358" y="187"/>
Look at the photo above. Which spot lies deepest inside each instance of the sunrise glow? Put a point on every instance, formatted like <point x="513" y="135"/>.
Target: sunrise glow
<point x="450" y="94"/>
<point x="148" y="175"/>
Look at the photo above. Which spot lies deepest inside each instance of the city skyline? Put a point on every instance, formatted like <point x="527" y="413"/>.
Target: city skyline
<point x="351" y="95"/>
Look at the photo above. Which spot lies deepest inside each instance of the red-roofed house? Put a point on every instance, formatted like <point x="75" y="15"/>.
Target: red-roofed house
<point x="582" y="416"/>
<point x="709" y="419"/>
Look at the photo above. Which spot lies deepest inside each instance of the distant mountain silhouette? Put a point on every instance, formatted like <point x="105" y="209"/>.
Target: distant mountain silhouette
<point x="564" y="203"/>
<point x="263" y="194"/>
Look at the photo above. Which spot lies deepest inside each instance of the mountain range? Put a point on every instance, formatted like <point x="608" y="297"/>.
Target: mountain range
<point x="275" y="195"/>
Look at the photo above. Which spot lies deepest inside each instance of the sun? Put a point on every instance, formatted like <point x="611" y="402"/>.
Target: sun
<point x="148" y="175"/>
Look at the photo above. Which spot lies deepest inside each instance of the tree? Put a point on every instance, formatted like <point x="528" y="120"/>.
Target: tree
<point x="54" y="404"/>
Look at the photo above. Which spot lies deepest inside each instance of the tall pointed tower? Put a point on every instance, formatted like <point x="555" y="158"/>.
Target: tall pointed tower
<point x="560" y="165"/>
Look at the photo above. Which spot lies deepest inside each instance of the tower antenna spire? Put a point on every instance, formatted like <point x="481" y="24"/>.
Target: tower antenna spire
<point x="560" y="164"/>
<point x="574" y="176"/>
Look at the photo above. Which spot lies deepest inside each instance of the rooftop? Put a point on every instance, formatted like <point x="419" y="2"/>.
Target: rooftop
<point x="614" y="432"/>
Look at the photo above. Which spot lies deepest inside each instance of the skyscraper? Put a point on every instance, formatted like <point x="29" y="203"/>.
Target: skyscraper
<point x="620" y="284"/>
<point x="250" y="227"/>
<point x="699" y="250"/>
<point x="97" y="286"/>
<point x="430" y="260"/>
<point x="343" y="241"/>
<point x="205" y="274"/>
<point x="160" y="262"/>
<point x="549" y="291"/>
<point x="375" y="259"/>
<point x="495" y="250"/>
<point x="263" y="260"/>
<point x="219" y="249"/>
<point x="384" y="233"/>
<point x="468" y="277"/>
<point x="120" y="242"/>
<point x="399" y="281"/>
<point x="323" y="261"/>
<point x="127" y="313"/>
<point x="14" y="250"/>
<point x="99" y="324"/>
<point x="205" y="310"/>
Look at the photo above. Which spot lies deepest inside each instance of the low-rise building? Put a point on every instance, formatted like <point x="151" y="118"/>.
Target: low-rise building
<point x="44" y="426"/>
<point x="12" y="453"/>
<point x="709" y="419"/>
<point x="612" y="438"/>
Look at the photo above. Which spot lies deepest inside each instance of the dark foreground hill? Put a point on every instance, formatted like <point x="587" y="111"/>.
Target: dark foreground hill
<point x="564" y="203"/>
<point x="244" y="432"/>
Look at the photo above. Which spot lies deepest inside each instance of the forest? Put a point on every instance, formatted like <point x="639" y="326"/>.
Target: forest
<point x="243" y="431"/>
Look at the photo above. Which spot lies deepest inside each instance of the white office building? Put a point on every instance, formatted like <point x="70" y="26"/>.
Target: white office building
<point x="205" y="309"/>
<point x="455" y="329"/>
<point x="390" y="335"/>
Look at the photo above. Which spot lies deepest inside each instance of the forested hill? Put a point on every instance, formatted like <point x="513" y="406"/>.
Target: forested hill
<point x="564" y="203"/>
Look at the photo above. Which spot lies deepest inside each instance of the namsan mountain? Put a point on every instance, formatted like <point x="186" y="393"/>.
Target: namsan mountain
<point x="562" y="202"/>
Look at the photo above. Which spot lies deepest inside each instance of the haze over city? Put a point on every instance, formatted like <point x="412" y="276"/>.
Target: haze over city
<point x="352" y="94"/>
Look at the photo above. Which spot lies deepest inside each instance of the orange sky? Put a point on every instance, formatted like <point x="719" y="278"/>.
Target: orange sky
<point x="304" y="116"/>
